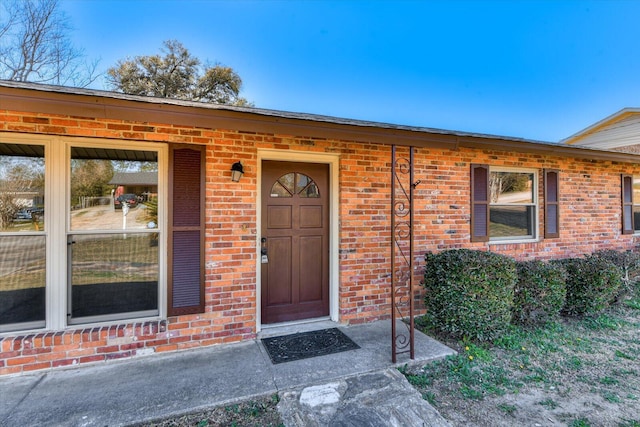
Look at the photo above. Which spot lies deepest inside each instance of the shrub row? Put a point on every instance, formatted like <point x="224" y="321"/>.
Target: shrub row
<point x="469" y="293"/>
<point x="593" y="283"/>
<point x="477" y="294"/>
<point x="540" y="292"/>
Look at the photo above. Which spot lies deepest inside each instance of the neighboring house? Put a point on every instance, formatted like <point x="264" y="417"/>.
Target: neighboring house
<point x="304" y="234"/>
<point x="25" y="199"/>
<point x="618" y="132"/>
<point x="142" y="184"/>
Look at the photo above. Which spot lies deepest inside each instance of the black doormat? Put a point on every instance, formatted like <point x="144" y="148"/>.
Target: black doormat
<point x="307" y="344"/>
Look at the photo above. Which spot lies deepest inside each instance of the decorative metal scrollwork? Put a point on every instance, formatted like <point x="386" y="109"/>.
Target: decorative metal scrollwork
<point x="402" y="286"/>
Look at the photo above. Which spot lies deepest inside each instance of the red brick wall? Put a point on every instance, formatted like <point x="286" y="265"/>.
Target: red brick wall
<point x="589" y="220"/>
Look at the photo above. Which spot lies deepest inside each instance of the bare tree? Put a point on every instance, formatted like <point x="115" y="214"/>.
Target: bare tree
<point x="19" y="180"/>
<point x="35" y="45"/>
<point x="506" y="182"/>
<point x="177" y="74"/>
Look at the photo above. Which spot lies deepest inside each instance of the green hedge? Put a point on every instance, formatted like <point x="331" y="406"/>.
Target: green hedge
<point x="469" y="293"/>
<point x="476" y="294"/>
<point x="629" y="264"/>
<point x="593" y="283"/>
<point x="540" y="292"/>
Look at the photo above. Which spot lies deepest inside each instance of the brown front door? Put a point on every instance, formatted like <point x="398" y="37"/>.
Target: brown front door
<point x="294" y="241"/>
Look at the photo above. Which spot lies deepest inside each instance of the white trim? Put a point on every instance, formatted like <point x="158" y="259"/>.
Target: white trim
<point x="333" y="160"/>
<point x="56" y="207"/>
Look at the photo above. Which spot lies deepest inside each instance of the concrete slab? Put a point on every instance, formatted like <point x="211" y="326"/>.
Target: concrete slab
<point x="148" y="388"/>
<point x="374" y="354"/>
<point x="20" y="387"/>
<point x="144" y="389"/>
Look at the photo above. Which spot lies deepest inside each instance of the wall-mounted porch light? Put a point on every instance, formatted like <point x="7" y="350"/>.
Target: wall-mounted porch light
<point x="236" y="171"/>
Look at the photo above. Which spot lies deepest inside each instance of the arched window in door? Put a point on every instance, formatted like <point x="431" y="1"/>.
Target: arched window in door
<point x="295" y="184"/>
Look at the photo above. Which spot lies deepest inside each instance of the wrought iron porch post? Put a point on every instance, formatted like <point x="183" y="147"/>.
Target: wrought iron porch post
<point x="402" y="271"/>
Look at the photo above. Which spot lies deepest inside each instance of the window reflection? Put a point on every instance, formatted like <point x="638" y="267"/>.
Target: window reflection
<point x="512" y="206"/>
<point x="22" y="239"/>
<point x="311" y="191"/>
<point x="22" y="193"/>
<point x="511" y="187"/>
<point x="636" y="204"/>
<point x="113" y="274"/>
<point x="22" y="282"/>
<point x="110" y="194"/>
<point x="114" y="271"/>
<point x="511" y="221"/>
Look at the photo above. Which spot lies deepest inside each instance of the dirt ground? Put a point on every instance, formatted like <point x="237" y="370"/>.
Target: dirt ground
<point x="107" y="218"/>
<point x="583" y="374"/>
<point x="261" y="412"/>
<point x="564" y="406"/>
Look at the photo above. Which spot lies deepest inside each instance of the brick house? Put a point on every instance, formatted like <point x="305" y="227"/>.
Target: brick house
<point x="304" y="234"/>
<point x="142" y="184"/>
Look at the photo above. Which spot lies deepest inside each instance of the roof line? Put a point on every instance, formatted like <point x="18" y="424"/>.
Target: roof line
<point x="102" y="104"/>
<point x="253" y="110"/>
<point x="599" y="125"/>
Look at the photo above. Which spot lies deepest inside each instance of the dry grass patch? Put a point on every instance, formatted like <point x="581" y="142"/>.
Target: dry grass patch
<point x="570" y="372"/>
<point x="260" y="412"/>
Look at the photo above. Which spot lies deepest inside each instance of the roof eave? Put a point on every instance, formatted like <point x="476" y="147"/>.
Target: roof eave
<point x="99" y="104"/>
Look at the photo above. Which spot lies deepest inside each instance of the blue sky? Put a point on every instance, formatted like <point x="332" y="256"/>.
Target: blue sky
<point x="532" y="69"/>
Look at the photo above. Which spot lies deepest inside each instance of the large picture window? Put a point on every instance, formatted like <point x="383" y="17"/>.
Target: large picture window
<point x="81" y="240"/>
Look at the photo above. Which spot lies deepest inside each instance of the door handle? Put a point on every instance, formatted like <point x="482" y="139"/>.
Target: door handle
<point x="263" y="251"/>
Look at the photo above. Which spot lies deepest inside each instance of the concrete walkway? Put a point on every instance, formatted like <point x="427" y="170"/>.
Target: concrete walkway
<point x="337" y="389"/>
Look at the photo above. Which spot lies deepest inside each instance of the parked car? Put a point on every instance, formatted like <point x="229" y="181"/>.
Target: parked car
<point x="29" y="214"/>
<point x="23" y="215"/>
<point x="129" y="199"/>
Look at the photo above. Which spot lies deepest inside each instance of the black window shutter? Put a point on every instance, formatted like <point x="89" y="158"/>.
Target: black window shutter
<point x="551" y="204"/>
<point x="627" y="204"/>
<point x="479" y="203"/>
<point x="186" y="230"/>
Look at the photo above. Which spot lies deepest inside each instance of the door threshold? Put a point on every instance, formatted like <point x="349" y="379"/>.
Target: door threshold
<point x="296" y="326"/>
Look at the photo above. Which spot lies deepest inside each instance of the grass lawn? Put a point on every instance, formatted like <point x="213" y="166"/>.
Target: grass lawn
<point x="572" y="372"/>
<point x="260" y="412"/>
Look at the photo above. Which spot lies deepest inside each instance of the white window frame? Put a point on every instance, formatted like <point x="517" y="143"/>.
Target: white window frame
<point x="57" y="190"/>
<point x="43" y="142"/>
<point x="535" y="204"/>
